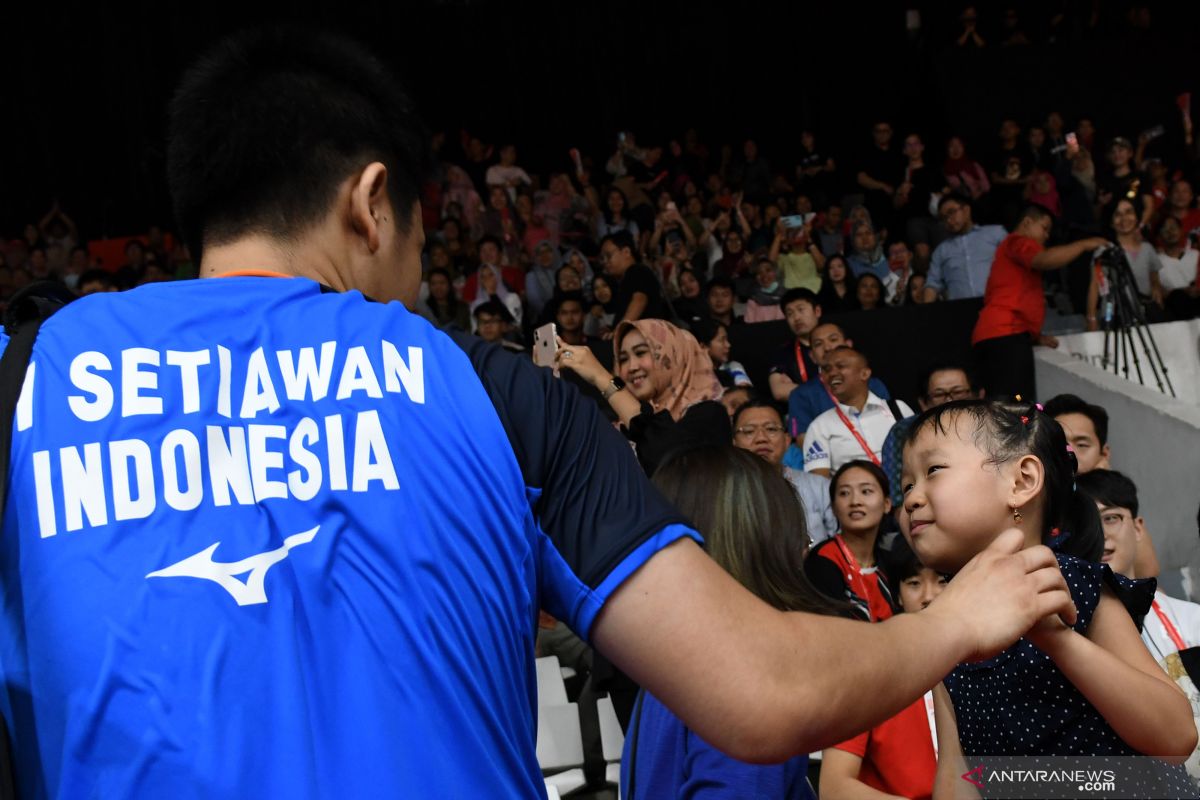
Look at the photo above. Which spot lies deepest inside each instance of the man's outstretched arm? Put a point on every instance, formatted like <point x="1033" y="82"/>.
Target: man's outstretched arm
<point x="763" y="685"/>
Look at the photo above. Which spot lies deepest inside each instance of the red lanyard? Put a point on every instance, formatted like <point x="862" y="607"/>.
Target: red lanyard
<point x="862" y="442"/>
<point x="1170" y="628"/>
<point x="855" y="578"/>
<point x="800" y="364"/>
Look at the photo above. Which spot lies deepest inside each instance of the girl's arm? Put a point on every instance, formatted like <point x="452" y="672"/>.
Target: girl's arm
<point x="1116" y="673"/>
<point x="951" y="765"/>
<point x="839" y="778"/>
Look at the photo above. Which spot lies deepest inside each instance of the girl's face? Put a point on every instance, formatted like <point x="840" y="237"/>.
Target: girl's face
<point x="578" y="262"/>
<point x="1124" y="218"/>
<point x="689" y="286"/>
<point x="569" y="280"/>
<point x="635" y="365"/>
<point x="869" y="291"/>
<point x="837" y="270"/>
<point x="545" y="257"/>
<point x="616" y="203"/>
<point x="601" y="292"/>
<point x="718" y="348"/>
<point x="498" y="198"/>
<point x="439" y="287"/>
<point x="916" y="288"/>
<point x="954" y="148"/>
<point x="860" y="503"/>
<point x="439" y="257"/>
<point x="918" y="591"/>
<point x="955" y="500"/>
<point x="766" y="274"/>
<point x="487" y="280"/>
<point x="733" y="242"/>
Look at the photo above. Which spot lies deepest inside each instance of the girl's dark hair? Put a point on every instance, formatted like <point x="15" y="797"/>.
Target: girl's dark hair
<point x="876" y="472"/>
<point x="452" y="300"/>
<point x="607" y="212"/>
<point x="752" y="522"/>
<point x="705" y="330"/>
<point x="1006" y="430"/>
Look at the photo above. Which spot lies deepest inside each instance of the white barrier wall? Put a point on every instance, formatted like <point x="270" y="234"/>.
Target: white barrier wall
<point x="1155" y="440"/>
<point x="1178" y="343"/>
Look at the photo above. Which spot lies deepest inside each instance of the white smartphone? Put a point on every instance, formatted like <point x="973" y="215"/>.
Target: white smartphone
<point x="545" y="345"/>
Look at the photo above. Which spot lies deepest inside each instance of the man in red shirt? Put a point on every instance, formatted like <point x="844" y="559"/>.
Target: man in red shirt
<point x="1014" y="304"/>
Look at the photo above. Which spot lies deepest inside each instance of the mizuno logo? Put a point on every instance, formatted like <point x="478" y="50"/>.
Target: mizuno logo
<point x="248" y="592"/>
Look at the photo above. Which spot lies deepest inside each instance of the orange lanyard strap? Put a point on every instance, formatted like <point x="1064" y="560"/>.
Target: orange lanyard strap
<point x="1169" y="626"/>
<point x="800" y="363"/>
<point x="253" y="273"/>
<point x="850" y="426"/>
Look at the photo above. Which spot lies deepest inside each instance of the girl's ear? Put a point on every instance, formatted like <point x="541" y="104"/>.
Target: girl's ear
<point x="1029" y="478"/>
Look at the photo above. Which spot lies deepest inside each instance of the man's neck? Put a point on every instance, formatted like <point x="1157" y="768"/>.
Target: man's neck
<point x="265" y="255"/>
<point x="857" y="401"/>
<point x="802" y="339"/>
<point x="725" y="319"/>
<point x="1174" y="251"/>
<point x="573" y="338"/>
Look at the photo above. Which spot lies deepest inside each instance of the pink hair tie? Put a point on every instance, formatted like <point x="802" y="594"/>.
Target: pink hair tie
<point x="1070" y="449"/>
<point x="1040" y="407"/>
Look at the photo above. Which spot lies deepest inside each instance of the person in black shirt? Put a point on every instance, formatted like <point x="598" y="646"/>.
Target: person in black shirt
<point x="1011" y="171"/>
<point x="639" y="295"/>
<point x="793" y="363"/>
<point x="881" y="172"/>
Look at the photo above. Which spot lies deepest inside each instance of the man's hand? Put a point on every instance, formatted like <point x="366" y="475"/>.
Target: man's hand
<point x="1047" y="341"/>
<point x="1001" y="593"/>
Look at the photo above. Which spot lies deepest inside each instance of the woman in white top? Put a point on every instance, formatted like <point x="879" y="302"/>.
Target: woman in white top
<point x="1143" y="260"/>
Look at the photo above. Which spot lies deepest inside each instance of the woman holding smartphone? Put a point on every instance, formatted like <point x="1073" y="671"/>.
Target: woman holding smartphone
<point x="665" y="392"/>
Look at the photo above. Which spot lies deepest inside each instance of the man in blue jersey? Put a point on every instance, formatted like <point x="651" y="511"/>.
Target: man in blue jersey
<point x="272" y="535"/>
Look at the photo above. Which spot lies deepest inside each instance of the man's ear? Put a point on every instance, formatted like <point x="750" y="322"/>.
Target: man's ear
<point x="1104" y="462"/>
<point x="1139" y="529"/>
<point x="370" y="206"/>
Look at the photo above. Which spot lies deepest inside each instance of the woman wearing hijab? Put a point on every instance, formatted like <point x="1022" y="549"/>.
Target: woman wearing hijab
<point x="964" y="175"/>
<point x="600" y="318"/>
<point x="867" y="256"/>
<point x="490" y="286"/>
<point x="666" y="394"/>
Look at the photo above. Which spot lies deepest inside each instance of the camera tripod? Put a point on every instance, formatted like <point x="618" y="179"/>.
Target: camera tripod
<point x="1124" y="317"/>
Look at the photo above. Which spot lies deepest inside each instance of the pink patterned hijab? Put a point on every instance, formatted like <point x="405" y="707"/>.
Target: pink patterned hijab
<point x="685" y="369"/>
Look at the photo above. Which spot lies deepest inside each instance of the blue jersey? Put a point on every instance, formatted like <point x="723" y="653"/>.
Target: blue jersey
<point x="267" y="540"/>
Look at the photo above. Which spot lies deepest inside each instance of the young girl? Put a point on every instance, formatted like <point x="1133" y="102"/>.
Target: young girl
<point x="897" y="757"/>
<point x="844" y="566"/>
<point x="714" y="337"/>
<point x="972" y="469"/>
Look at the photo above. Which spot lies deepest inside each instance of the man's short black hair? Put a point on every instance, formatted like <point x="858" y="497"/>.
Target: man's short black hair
<point x="265" y="127"/>
<point x="622" y="240"/>
<point x="564" y="298"/>
<point x="1036" y="211"/>
<point x="1109" y="488"/>
<point x="800" y="293"/>
<point x="100" y="276"/>
<point x="495" y="308"/>
<point x="954" y="197"/>
<point x="718" y="281"/>
<point x="946" y="366"/>
<point x="754" y="403"/>
<point x="1073" y="404"/>
<point x="488" y="238"/>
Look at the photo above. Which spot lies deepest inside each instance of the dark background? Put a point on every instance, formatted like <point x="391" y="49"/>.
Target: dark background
<point x="85" y="90"/>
